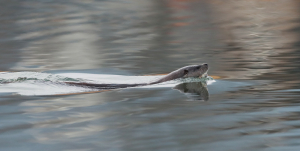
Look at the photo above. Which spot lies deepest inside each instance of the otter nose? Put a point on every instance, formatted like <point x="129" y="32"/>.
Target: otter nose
<point x="205" y="64"/>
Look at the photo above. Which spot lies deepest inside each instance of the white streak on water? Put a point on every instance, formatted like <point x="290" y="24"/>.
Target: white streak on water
<point x="37" y="88"/>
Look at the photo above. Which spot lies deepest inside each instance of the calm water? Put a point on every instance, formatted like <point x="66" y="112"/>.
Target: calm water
<point x="252" y="48"/>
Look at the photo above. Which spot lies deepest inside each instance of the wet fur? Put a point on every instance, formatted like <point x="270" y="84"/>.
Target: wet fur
<point x="184" y="72"/>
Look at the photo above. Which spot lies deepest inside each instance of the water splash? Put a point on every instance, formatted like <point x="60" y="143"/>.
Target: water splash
<point x="203" y="79"/>
<point x="17" y="77"/>
<point x="35" y="83"/>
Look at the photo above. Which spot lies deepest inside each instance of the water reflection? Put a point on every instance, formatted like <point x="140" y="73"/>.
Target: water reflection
<point x="258" y="37"/>
<point x="199" y="89"/>
<point x="239" y="39"/>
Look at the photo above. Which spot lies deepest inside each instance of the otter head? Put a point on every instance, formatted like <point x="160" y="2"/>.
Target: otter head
<point x="196" y="71"/>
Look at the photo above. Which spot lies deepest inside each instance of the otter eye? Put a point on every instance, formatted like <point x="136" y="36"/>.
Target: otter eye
<point x="185" y="72"/>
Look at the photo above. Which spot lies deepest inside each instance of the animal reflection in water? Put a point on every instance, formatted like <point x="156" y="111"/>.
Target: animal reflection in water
<point x="194" y="90"/>
<point x="197" y="89"/>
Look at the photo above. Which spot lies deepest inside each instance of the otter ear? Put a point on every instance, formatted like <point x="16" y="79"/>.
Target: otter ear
<point x="185" y="72"/>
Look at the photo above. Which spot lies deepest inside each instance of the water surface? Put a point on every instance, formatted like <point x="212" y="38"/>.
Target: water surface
<point x="252" y="48"/>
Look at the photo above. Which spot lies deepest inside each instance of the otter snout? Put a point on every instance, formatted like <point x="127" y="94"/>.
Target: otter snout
<point x="204" y="70"/>
<point x="204" y="67"/>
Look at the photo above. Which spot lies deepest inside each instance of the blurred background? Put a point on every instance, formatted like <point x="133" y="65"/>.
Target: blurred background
<point x="253" y="46"/>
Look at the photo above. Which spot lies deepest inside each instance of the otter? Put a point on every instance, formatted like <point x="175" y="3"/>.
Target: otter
<point x="184" y="72"/>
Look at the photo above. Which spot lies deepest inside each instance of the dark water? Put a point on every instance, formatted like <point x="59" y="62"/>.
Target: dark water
<point x="252" y="48"/>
